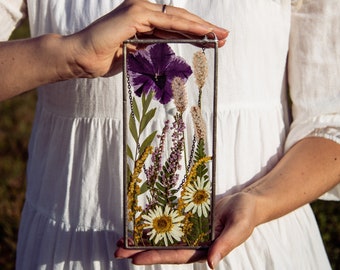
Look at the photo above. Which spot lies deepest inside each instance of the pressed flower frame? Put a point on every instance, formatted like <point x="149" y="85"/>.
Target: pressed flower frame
<point x="169" y="154"/>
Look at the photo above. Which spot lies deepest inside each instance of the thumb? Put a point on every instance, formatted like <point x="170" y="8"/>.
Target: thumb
<point x="232" y="236"/>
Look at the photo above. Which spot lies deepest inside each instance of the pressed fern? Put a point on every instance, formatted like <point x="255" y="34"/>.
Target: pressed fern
<point x="202" y="169"/>
<point x="168" y="176"/>
<point x="199" y="224"/>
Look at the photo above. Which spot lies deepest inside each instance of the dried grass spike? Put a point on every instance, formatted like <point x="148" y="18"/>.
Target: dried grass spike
<point x="200" y="127"/>
<point x="200" y="66"/>
<point x="180" y="94"/>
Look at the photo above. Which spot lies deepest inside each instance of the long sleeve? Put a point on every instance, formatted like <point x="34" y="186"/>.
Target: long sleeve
<point x="313" y="71"/>
<point x="11" y="12"/>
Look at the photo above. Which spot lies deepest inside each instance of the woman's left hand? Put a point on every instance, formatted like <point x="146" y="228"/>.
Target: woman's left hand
<point x="234" y="222"/>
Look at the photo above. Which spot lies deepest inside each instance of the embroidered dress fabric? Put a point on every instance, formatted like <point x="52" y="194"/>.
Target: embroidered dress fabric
<point x="72" y="216"/>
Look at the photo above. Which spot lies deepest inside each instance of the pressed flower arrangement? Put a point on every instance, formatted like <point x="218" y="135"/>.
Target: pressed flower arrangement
<point x="169" y="164"/>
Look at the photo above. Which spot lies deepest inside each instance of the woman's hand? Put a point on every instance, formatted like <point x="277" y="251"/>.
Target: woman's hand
<point x="234" y="222"/>
<point x="309" y="169"/>
<point x="97" y="50"/>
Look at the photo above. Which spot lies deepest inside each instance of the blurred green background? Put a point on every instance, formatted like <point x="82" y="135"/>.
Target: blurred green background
<point x="16" y="117"/>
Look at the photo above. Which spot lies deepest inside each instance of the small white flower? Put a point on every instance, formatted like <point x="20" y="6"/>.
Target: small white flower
<point x="197" y="197"/>
<point x="165" y="225"/>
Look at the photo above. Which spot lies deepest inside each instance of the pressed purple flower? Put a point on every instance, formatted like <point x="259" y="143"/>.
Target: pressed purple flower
<point x="175" y="157"/>
<point x="156" y="158"/>
<point x="153" y="69"/>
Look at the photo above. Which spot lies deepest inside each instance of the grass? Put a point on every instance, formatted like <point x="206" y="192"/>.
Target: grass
<point x="16" y="117"/>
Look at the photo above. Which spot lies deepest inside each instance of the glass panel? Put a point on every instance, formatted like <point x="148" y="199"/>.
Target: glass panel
<point x="169" y="142"/>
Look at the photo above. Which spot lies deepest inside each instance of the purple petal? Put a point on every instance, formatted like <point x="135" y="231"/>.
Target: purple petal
<point x="139" y="63"/>
<point x="161" y="55"/>
<point x="164" y="95"/>
<point x="140" y="71"/>
<point x="178" y="68"/>
<point x="154" y="69"/>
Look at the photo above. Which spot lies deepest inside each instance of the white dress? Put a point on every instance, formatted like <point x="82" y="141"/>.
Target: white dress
<point x="72" y="216"/>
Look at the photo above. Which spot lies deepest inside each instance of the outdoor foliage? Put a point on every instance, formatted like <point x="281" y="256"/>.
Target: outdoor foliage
<point x="16" y="116"/>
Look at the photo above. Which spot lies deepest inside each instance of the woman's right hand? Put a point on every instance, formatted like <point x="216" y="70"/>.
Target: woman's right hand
<point x="97" y="49"/>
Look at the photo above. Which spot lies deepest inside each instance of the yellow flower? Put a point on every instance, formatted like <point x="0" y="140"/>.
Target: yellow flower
<point x="187" y="224"/>
<point x="197" y="197"/>
<point x="193" y="171"/>
<point x="134" y="188"/>
<point x="165" y="225"/>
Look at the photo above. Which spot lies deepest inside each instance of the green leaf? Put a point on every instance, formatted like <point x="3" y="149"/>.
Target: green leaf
<point x="143" y="98"/>
<point x="161" y="201"/>
<point x="133" y="128"/>
<point x="146" y="118"/>
<point x="200" y="150"/>
<point x="160" y="186"/>
<point x="172" y="198"/>
<point x="129" y="152"/>
<point x="202" y="170"/>
<point x="128" y="173"/>
<point x="144" y="188"/>
<point x="173" y="191"/>
<point x="146" y="101"/>
<point x="135" y="109"/>
<point x="147" y="142"/>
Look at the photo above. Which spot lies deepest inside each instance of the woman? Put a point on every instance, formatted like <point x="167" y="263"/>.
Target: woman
<point x="74" y="172"/>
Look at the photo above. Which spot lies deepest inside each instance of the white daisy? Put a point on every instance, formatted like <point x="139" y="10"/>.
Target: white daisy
<point x="165" y="225"/>
<point x="197" y="197"/>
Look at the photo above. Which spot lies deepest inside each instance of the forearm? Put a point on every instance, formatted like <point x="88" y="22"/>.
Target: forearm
<point x="26" y="64"/>
<point x="308" y="170"/>
<point x="96" y="50"/>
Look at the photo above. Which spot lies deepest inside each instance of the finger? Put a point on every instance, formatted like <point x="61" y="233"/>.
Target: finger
<point x="159" y="33"/>
<point x="175" y="256"/>
<point x="180" y="12"/>
<point x="180" y="24"/>
<point x="122" y="253"/>
<point x="178" y="19"/>
<point x="231" y="237"/>
<point x="173" y="35"/>
<point x="177" y="12"/>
